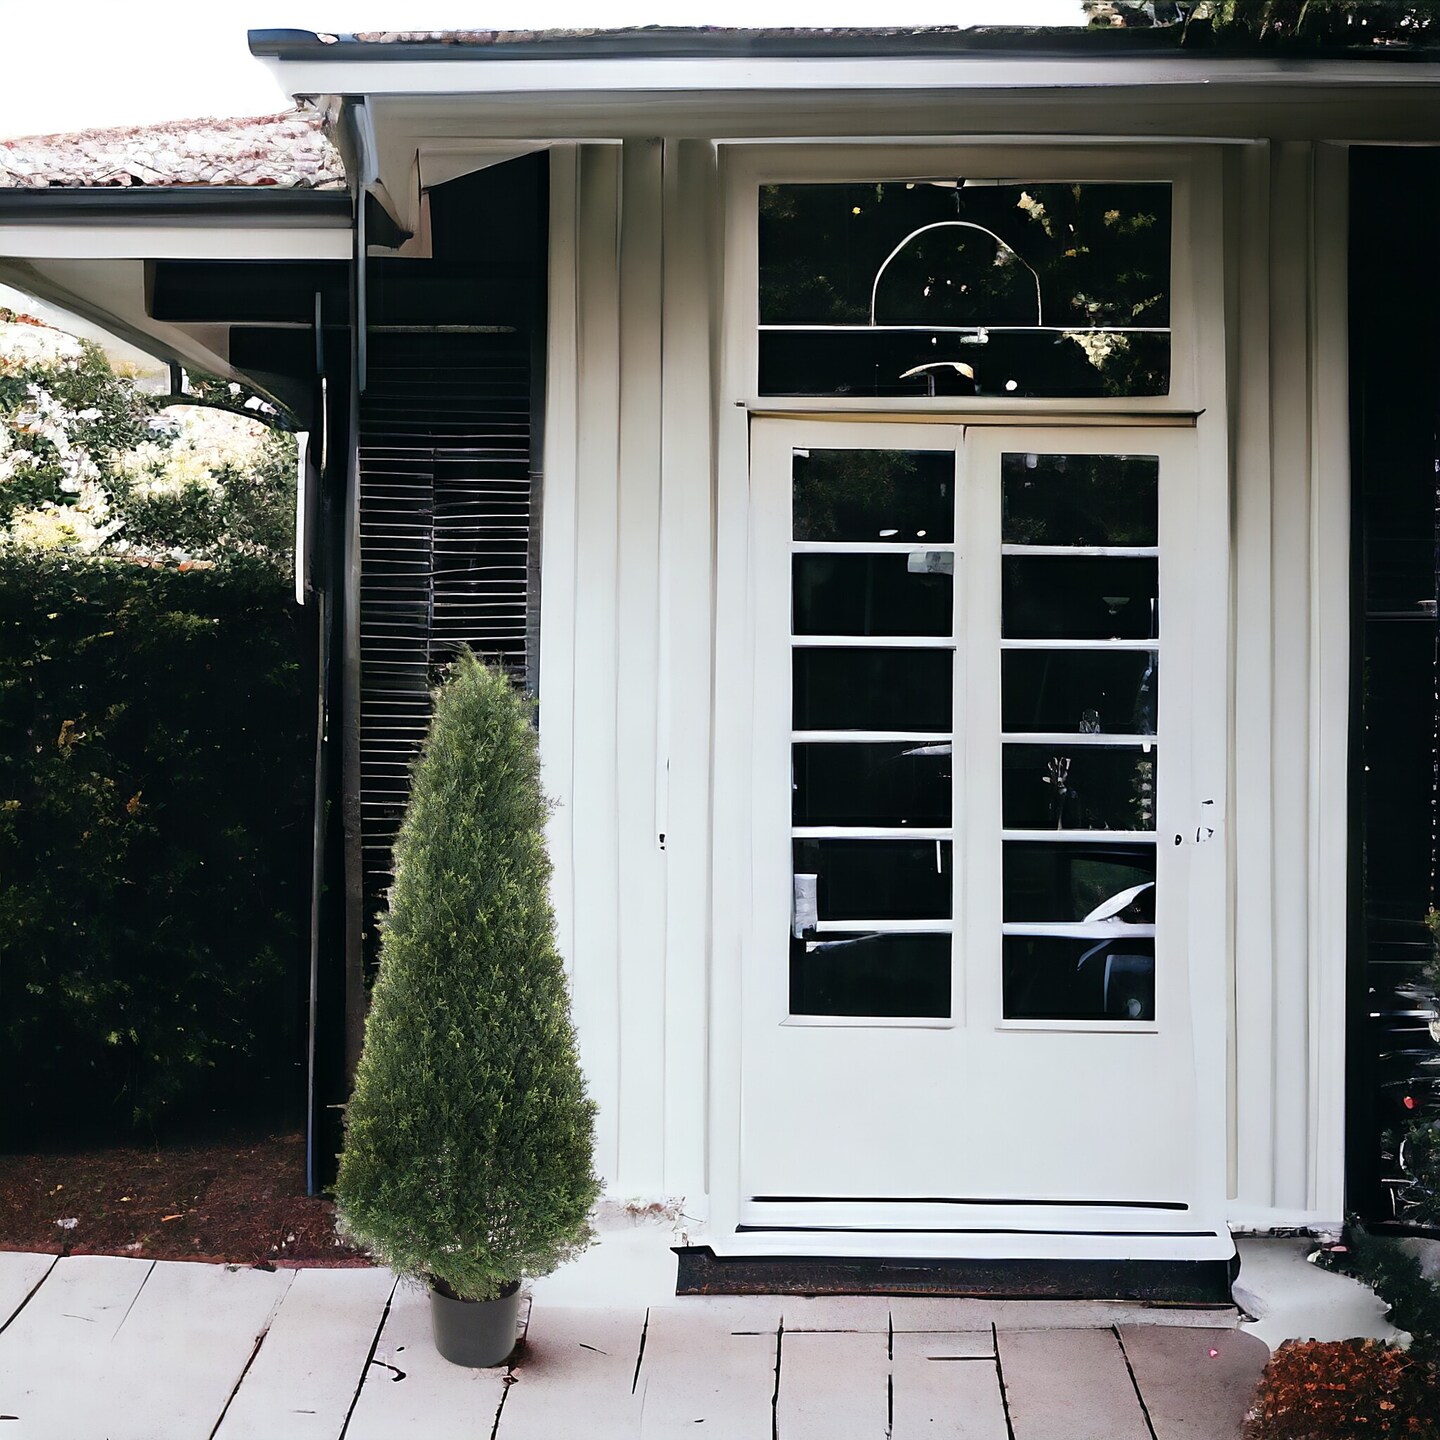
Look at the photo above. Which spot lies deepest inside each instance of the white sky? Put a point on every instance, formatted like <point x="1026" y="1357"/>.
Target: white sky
<point x="78" y="64"/>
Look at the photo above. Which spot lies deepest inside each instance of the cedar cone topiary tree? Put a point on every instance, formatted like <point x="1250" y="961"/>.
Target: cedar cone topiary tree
<point x="469" y="1137"/>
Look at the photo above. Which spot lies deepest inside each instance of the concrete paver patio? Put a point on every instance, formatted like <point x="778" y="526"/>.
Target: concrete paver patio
<point x="110" y="1348"/>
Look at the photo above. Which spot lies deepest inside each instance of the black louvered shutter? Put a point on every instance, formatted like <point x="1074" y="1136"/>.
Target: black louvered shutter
<point x="445" y="512"/>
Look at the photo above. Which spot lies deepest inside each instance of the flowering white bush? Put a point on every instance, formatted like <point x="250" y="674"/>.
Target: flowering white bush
<point x="91" y="463"/>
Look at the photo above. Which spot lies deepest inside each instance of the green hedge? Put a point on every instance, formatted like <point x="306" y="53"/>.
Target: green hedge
<point x="155" y="788"/>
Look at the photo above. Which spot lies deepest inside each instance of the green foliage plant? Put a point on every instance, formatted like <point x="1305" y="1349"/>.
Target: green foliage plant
<point x="469" y="1136"/>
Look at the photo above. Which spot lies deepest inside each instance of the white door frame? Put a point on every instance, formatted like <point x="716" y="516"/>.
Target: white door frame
<point x="1198" y="397"/>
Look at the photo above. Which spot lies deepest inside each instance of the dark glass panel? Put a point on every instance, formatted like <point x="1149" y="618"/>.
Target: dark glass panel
<point x="1101" y="252"/>
<point x="917" y="253"/>
<point x="1063" y="884"/>
<point x="1053" y="979"/>
<point x="1102" y="692"/>
<point x="844" y="689"/>
<point x="878" y="879"/>
<point x="1085" y="787"/>
<point x="883" y="975"/>
<point x="1082" y="364"/>
<point x="850" y="495"/>
<point x="1080" y="499"/>
<point x="1085" y="598"/>
<point x="874" y="594"/>
<point x="902" y="784"/>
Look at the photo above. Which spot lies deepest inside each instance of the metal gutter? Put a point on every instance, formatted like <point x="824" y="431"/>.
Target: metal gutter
<point x="678" y="43"/>
<point x="265" y="204"/>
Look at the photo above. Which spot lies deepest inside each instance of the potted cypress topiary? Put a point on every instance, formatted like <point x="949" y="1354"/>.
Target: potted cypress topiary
<point x="469" y="1137"/>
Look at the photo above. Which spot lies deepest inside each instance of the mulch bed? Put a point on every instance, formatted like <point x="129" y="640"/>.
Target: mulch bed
<point x="243" y="1202"/>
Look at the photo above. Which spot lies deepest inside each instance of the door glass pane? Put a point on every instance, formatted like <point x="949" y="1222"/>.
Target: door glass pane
<point x="1047" y="883"/>
<point x="939" y="287"/>
<point x="873" y="594"/>
<point x="876" y="879"/>
<point x="892" y="784"/>
<point x="1080" y="499"/>
<point x="1079" y="599"/>
<point x="844" y="689"/>
<point x="881" y="975"/>
<point x="1065" y="979"/>
<point x="874" y="495"/>
<point x="1077" y="691"/>
<point x="1086" y="787"/>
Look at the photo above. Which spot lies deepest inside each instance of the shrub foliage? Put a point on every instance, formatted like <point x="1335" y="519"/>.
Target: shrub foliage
<point x="1340" y="1390"/>
<point x="154" y="832"/>
<point x="469" y="1135"/>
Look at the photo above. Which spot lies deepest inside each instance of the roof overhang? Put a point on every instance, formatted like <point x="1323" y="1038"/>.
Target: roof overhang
<point x="180" y="222"/>
<point x="424" y="102"/>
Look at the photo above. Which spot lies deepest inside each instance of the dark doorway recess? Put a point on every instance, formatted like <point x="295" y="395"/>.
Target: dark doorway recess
<point x="1393" y="1064"/>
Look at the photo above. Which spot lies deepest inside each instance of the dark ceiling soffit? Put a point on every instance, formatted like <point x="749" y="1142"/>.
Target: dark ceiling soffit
<point x="330" y="209"/>
<point x="661" y="43"/>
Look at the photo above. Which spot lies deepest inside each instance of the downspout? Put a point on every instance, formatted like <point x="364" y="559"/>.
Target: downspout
<point x="309" y="589"/>
<point x="348" y="122"/>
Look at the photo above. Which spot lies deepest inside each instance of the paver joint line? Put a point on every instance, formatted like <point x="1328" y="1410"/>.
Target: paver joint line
<point x="640" y="1354"/>
<point x="1000" y="1375"/>
<point x="365" y="1368"/>
<point x="245" y="1370"/>
<point x="775" y="1396"/>
<point x="134" y="1298"/>
<point x="29" y="1296"/>
<point x="1130" y="1370"/>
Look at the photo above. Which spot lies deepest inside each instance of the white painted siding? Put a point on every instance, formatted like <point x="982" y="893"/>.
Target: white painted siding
<point x="1291" y="648"/>
<point x="626" y="636"/>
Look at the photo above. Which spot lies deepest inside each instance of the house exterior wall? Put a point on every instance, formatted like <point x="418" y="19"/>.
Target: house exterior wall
<point x="639" y="542"/>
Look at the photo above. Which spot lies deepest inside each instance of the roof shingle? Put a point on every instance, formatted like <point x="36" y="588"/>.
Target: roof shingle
<point x="288" y="150"/>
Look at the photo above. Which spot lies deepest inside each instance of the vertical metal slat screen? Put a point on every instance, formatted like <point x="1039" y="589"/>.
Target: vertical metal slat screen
<point x="445" y="493"/>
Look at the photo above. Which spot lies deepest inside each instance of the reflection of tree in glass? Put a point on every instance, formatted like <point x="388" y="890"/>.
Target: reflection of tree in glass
<point x="1079" y="499"/>
<point x="873" y="495"/>
<point x="1102" y="251"/>
<point x="1100" y="254"/>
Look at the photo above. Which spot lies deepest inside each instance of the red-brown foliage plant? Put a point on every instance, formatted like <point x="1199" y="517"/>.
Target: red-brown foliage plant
<point x="1340" y="1390"/>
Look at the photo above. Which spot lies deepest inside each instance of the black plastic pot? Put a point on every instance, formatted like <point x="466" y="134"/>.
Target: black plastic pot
<point x="477" y="1333"/>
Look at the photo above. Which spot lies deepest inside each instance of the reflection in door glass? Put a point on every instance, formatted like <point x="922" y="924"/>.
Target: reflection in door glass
<point x="871" y="974"/>
<point x="939" y="287"/>
<point x="890" y="784"/>
<point x="844" y="689"/>
<point x="1056" y="883"/>
<point x="1073" y="979"/>
<point x="1082" y="787"/>
<point x="877" y="879"/>
<point x="907" y="594"/>
<point x="1068" y="692"/>
<point x="1081" y="598"/>
<point x="899" y="496"/>
<point x="1080" y="499"/>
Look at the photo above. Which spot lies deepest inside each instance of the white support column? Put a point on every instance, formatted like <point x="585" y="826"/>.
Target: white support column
<point x="691" y="308"/>
<point x="1253" y="1117"/>
<point x="1291" y="761"/>
<point x="1292" y="688"/>
<point x="641" y="890"/>
<point x="1330" y="679"/>
<point x="594" y="792"/>
<point x="558" y="536"/>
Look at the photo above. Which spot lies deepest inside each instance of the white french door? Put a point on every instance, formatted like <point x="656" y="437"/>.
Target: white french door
<point x="967" y="1013"/>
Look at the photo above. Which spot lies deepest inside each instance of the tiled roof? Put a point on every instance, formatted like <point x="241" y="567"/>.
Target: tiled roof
<point x="287" y="150"/>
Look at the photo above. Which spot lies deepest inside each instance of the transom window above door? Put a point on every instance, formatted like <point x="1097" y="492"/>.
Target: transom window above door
<point x="955" y="287"/>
